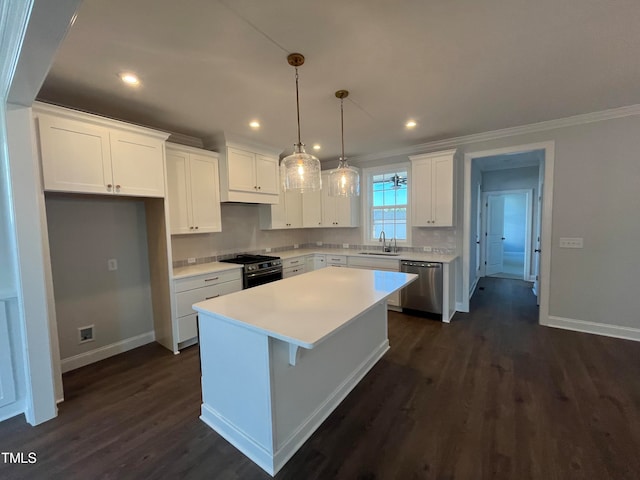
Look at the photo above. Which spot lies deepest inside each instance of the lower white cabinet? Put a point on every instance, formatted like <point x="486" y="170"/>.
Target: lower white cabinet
<point x="190" y="290"/>
<point x="293" y="266"/>
<point x="388" y="264"/>
<point x="316" y="262"/>
<point x="7" y="383"/>
<point x="336" y="260"/>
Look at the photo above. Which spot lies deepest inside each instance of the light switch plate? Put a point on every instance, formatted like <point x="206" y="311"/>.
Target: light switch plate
<point x="571" y="242"/>
<point x="112" y="264"/>
<point x="295" y="245"/>
<point x="345" y="245"/>
<point x="426" y="249"/>
<point x="267" y="250"/>
<point x="191" y="260"/>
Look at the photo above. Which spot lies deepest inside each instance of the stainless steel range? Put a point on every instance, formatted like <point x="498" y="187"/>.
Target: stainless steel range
<point x="258" y="269"/>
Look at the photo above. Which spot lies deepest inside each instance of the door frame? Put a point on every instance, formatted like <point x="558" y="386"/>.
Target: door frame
<point x="547" y="213"/>
<point x="528" y="229"/>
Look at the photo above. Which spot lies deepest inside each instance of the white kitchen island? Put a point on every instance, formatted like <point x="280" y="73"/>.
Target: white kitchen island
<point x="278" y="359"/>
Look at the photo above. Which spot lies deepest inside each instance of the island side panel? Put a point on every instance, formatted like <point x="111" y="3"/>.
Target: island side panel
<point x="236" y="397"/>
<point x="305" y="394"/>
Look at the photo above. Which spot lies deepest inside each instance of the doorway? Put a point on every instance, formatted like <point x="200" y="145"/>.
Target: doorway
<point x="507" y="227"/>
<point x="538" y="155"/>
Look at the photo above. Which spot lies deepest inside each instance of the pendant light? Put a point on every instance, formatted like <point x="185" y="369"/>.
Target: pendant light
<point x="344" y="181"/>
<point x="300" y="171"/>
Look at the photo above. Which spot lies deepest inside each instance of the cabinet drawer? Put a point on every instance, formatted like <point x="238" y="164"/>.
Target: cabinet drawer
<point x="293" y="271"/>
<point x="187" y="327"/>
<point x="208" y="279"/>
<point x="336" y="259"/>
<point x="375" y="263"/>
<point x="293" y="262"/>
<point x="184" y="300"/>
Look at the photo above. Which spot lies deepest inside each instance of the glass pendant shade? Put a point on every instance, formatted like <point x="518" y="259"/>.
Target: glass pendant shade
<point x="300" y="172"/>
<point x="344" y="181"/>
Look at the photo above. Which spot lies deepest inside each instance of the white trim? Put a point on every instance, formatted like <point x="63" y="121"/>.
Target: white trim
<point x="472" y="290"/>
<point x="366" y="200"/>
<point x="628" y="111"/>
<point x="528" y="193"/>
<point x="87" y="358"/>
<point x="595" y="328"/>
<point x="547" y="210"/>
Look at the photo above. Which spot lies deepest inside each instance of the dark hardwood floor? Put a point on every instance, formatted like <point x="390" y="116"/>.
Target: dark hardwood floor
<point x="490" y="396"/>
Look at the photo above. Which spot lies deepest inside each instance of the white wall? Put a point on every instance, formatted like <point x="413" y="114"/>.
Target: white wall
<point x="84" y="232"/>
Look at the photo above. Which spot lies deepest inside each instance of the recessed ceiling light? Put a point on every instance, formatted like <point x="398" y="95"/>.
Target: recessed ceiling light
<point x="410" y="124"/>
<point x="130" y="79"/>
<point x="254" y="124"/>
<point x="317" y="146"/>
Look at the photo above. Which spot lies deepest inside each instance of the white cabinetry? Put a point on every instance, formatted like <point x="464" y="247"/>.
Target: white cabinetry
<point x="286" y="214"/>
<point x="388" y="264"/>
<point x="249" y="172"/>
<point x="316" y="262"/>
<point x="293" y="266"/>
<point x="190" y="290"/>
<point x="336" y="260"/>
<point x="312" y="208"/>
<point x="193" y="190"/>
<point x="338" y="211"/>
<point x="88" y="154"/>
<point x="432" y="189"/>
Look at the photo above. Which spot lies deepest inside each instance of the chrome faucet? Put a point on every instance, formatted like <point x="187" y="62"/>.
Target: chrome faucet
<point x="382" y="238"/>
<point x="395" y="245"/>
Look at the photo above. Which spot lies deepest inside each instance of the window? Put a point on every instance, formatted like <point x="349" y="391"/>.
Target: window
<point x="386" y="203"/>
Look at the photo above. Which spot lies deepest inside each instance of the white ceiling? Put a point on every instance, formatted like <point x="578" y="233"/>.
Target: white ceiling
<point x="455" y="66"/>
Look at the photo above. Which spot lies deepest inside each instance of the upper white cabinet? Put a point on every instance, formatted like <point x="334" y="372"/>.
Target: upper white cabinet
<point x="338" y="211"/>
<point x="286" y="214"/>
<point x="193" y="190"/>
<point x="88" y="154"/>
<point x="432" y="192"/>
<point x="312" y="209"/>
<point x="248" y="172"/>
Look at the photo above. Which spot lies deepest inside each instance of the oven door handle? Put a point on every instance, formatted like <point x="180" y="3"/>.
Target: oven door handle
<point x="262" y="273"/>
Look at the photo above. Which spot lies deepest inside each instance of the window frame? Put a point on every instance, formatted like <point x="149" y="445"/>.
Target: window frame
<point x="367" y="199"/>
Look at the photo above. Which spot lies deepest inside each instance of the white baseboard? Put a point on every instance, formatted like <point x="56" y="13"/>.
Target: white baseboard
<point x="626" y="333"/>
<point x="472" y="290"/>
<point x="107" y="351"/>
<point x="10" y="411"/>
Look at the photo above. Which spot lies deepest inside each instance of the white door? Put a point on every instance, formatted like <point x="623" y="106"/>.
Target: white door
<point x="178" y="192"/>
<point x="241" y="166"/>
<point x="137" y="164"/>
<point x="267" y="175"/>
<point x="312" y="209"/>
<point x="495" y="234"/>
<point x="205" y="198"/>
<point x="293" y="204"/>
<point x="538" y="244"/>
<point x="478" y="228"/>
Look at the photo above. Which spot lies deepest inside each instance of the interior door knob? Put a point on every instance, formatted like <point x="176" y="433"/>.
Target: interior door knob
<point x="537" y="250"/>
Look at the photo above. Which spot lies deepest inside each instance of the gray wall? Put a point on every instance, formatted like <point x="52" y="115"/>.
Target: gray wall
<point x="511" y="179"/>
<point x="84" y="232"/>
<point x="596" y="178"/>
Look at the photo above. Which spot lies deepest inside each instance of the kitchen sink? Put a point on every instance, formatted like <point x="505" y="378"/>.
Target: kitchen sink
<point x="382" y="254"/>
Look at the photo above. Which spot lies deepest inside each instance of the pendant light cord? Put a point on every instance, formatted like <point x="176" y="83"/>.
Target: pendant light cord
<point x="342" y="126"/>
<point x="298" y="107"/>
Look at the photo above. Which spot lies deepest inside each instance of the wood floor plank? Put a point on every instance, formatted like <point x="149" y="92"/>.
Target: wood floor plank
<point x="493" y="395"/>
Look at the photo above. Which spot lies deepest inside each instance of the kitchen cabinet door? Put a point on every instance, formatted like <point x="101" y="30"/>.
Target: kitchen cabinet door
<point x="267" y="174"/>
<point x="137" y="164"/>
<point x="205" y="196"/>
<point x="285" y="214"/>
<point x="432" y="193"/>
<point x="241" y="168"/>
<point x="76" y="156"/>
<point x="312" y="209"/>
<point x="178" y="191"/>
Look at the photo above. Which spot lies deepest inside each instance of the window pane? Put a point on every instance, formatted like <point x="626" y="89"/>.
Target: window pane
<point x="401" y="196"/>
<point x="378" y="199"/>
<point x="388" y="208"/>
<point x="389" y="197"/>
<point x="401" y="231"/>
<point x="377" y="214"/>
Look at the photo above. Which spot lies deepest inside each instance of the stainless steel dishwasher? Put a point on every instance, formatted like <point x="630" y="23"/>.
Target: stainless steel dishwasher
<point x="425" y="294"/>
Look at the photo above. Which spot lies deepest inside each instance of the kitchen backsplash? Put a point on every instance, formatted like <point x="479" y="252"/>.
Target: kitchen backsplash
<point x="241" y="234"/>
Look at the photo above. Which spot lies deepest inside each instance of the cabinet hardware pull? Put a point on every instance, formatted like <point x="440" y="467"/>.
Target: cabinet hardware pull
<point x="118" y="187"/>
<point x="209" y="298"/>
<point x="294" y="261"/>
<point x="190" y="228"/>
<point x="259" y="187"/>
<point x="211" y="279"/>
<point x="196" y="228"/>
<point x="109" y="185"/>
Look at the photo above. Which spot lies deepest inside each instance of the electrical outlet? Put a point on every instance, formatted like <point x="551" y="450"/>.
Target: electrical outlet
<point x="345" y="245"/>
<point x="426" y="249"/>
<point x="319" y="244"/>
<point x="571" y="242"/>
<point x="191" y="260"/>
<point x="112" y="264"/>
<point x="85" y="334"/>
<point x="295" y="245"/>
<point x="267" y="250"/>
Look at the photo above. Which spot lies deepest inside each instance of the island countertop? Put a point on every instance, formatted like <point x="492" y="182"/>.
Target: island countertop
<point x="306" y="309"/>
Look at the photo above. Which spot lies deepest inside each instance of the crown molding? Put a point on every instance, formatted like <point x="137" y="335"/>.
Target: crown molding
<point x="582" y="119"/>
